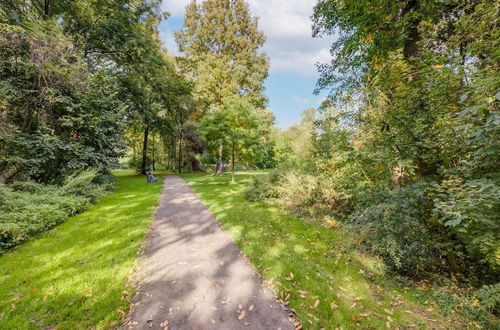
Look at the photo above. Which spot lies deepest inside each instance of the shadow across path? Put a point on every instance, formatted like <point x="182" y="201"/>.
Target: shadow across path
<point x="192" y="276"/>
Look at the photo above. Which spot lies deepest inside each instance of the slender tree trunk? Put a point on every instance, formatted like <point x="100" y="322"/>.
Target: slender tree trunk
<point x="134" y="155"/>
<point x="145" y="150"/>
<point x="153" y="154"/>
<point x="180" y="153"/>
<point x="46" y="8"/>
<point x="171" y="153"/>
<point x="232" y="161"/>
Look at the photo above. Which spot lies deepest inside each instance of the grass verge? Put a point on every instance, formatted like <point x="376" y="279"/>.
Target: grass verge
<point x="75" y="276"/>
<point x="314" y="269"/>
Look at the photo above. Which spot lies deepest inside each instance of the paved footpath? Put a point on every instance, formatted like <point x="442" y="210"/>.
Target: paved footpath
<point x="192" y="276"/>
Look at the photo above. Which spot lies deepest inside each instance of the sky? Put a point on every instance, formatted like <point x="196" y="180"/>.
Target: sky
<point x="292" y="51"/>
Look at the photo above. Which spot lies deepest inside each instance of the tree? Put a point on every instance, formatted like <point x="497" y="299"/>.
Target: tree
<point x="234" y="129"/>
<point x="57" y="116"/>
<point x="418" y="84"/>
<point x="221" y="43"/>
<point x="102" y="58"/>
<point x="294" y="146"/>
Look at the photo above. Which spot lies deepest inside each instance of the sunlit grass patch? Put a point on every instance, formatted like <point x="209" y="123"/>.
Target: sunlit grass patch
<point x="75" y="276"/>
<point x="316" y="270"/>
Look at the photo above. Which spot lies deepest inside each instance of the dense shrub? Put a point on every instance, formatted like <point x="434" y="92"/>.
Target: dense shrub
<point x="490" y="297"/>
<point x="398" y="232"/>
<point x="302" y="193"/>
<point x="28" y="208"/>
<point x="263" y="186"/>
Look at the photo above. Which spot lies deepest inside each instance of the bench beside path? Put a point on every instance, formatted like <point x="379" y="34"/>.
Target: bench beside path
<point x="192" y="276"/>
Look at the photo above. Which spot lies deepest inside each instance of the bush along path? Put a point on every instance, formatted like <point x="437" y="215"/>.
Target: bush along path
<point x="192" y="276"/>
<point x="75" y="276"/>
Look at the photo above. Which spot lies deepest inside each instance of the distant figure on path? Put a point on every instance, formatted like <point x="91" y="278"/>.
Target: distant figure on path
<point x="151" y="177"/>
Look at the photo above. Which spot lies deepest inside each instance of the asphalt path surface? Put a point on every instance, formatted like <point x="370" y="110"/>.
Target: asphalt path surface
<point x="191" y="275"/>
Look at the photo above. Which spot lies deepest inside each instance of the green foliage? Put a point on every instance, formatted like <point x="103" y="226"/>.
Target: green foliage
<point x="397" y="231"/>
<point x="414" y="147"/>
<point x="221" y="42"/>
<point x="76" y="276"/>
<point x="489" y="295"/>
<point x="262" y="187"/>
<point x="293" y="147"/>
<point x="75" y="75"/>
<point x="29" y="208"/>
<point x="238" y="131"/>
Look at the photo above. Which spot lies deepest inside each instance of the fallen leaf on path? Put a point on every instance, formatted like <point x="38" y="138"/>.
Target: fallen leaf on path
<point x="242" y="315"/>
<point x="214" y="308"/>
<point x="213" y="321"/>
<point x="246" y="323"/>
<point x="240" y="306"/>
<point x="251" y="308"/>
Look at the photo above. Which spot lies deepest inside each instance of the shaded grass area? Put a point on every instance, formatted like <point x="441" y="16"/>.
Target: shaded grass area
<point x="314" y="269"/>
<point x="75" y="276"/>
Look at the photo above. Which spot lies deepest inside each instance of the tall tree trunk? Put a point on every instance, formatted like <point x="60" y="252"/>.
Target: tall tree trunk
<point x="180" y="153"/>
<point x="145" y="150"/>
<point x="153" y="154"/>
<point x="134" y="155"/>
<point x="410" y="47"/>
<point x="232" y="161"/>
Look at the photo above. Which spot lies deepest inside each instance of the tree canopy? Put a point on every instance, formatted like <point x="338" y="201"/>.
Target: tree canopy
<point x="221" y="42"/>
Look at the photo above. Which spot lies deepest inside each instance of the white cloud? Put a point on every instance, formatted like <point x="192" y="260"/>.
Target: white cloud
<point x="287" y="25"/>
<point x="299" y="100"/>
<point x="175" y="7"/>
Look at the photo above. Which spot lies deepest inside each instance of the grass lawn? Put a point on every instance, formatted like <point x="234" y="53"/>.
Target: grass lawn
<point x="75" y="276"/>
<point x="326" y="282"/>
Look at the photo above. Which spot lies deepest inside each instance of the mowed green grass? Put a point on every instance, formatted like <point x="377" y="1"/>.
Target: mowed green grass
<point x="75" y="276"/>
<point x="315" y="269"/>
